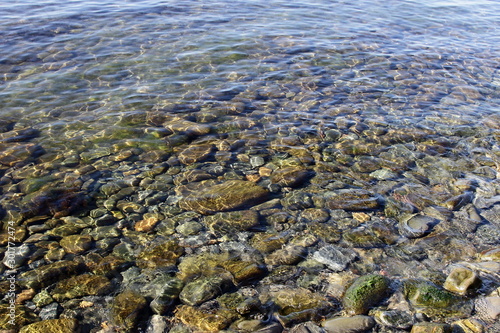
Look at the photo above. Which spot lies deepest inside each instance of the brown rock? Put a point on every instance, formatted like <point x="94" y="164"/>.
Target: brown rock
<point x="229" y="195"/>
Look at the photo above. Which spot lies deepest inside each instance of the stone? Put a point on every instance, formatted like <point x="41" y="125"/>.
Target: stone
<point x="289" y="255"/>
<point x="166" y="295"/>
<point x="460" y="280"/>
<point x="229" y="195"/>
<point x="355" y="324"/>
<point x="488" y="308"/>
<point x="195" y="154"/>
<point x="19" y="314"/>
<point x="203" y="289"/>
<point x="351" y="199"/>
<point x="469" y="325"/>
<point x="415" y="225"/>
<point x="126" y="308"/>
<point x="76" y="244"/>
<point x="12" y="154"/>
<point x="335" y="258"/>
<point x="205" y="321"/>
<point x="426" y="327"/>
<point x="297" y="305"/>
<point x="179" y="125"/>
<point x="365" y="292"/>
<point x="48" y="274"/>
<point x="395" y="319"/>
<point x="62" y="325"/>
<point x="148" y="223"/>
<point x="290" y="176"/>
<point x="433" y="301"/>
<point x="230" y="222"/>
<point x="162" y="255"/>
<point x="81" y="285"/>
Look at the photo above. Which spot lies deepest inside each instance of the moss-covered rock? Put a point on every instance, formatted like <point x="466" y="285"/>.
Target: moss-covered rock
<point x="365" y="292"/>
<point x="428" y="298"/>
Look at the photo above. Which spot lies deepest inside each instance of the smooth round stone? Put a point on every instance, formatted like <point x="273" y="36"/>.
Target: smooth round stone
<point x="257" y="161"/>
<point x="395" y="318"/>
<point x="335" y="258"/>
<point x="365" y="292"/>
<point x="189" y="228"/>
<point x="355" y="324"/>
<point x="202" y="290"/>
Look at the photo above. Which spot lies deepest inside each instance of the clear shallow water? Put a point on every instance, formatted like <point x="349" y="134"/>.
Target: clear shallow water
<point x="91" y="91"/>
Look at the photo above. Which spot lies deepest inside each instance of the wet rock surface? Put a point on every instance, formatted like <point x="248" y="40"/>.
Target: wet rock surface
<point x="280" y="184"/>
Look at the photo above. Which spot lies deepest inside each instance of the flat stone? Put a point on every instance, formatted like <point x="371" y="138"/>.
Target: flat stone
<point x="460" y="280"/>
<point x="14" y="153"/>
<point x="431" y="328"/>
<point x="194" y="154"/>
<point x="126" y="308"/>
<point x="81" y="285"/>
<point x="355" y="324"/>
<point x="335" y="258"/>
<point x="351" y="199"/>
<point x="229" y="195"/>
<point x="62" y="325"/>
<point x="227" y="222"/>
<point x="290" y="176"/>
<point x="46" y="275"/>
<point x="179" y="125"/>
<point x="76" y="244"/>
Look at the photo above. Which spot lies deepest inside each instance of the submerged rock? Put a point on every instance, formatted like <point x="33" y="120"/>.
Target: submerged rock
<point x="365" y="292"/>
<point x="81" y="285"/>
<point x="290" y="176"/>
<point x="460" y="280"/>
<point x="353" y="324"/>
<point x="126" y="308"/>
<point x="335" y="258"/>
<point x="162" y="255"/>
<point x="426" y="327"/>
<point x="202" y="290"/>
<point x="46" y="275"/>
<point x="230" y="222"/>
<point x="62" y="325"/>
<point x="428" y="298"/>
<point x="205" y="320"/>
<point x="229" y="195"/>
<point x="352" y="199"/>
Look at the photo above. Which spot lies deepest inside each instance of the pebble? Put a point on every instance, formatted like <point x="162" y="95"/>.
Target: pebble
<point x="355" y="324"/>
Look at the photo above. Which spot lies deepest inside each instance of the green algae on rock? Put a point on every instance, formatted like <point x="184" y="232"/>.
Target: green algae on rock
<point x="365" y="292"/>
<point x="229" y="195"/>
<point x="428" y="298"/>
<point x="61" y="325"/>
